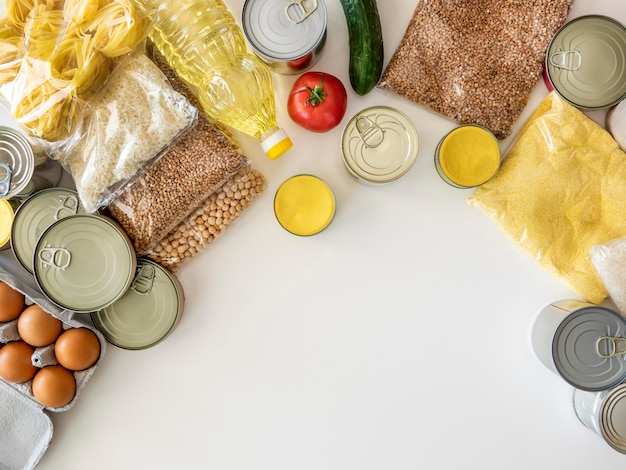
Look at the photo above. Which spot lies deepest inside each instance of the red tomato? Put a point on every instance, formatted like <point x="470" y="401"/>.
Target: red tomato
<point x="317" y="101"/>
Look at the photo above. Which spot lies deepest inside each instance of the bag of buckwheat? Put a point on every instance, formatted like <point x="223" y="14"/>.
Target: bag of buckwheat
<point x="193" y="167"/>
<point x="475" y="61"/>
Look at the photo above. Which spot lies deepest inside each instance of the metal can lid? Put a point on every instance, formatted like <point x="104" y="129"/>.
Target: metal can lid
<point x="613" y="418"/>
<point x="379" y="144"/>
<point x="35" y="215"/>
<point x="84" y="262"/>
<point x="284" y="30"/>
<point x="147" y="313"/>
<point x="304" y="205"/>
<point x="580" y="354"/>
<point x="586" y="61"/>
<point x="17" y="162"/>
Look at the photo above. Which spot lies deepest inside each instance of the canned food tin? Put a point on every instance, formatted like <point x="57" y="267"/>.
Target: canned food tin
<point x="6" y="222"/>
<point x="582" y="343"/>
<point x="147" y="313"/>
<point x="467" y="156"/>
<point x="35" y="215"/>
<point x="586" y="62"/>
<point x="84" y="262"/>
<point x="379" y="145"/>
<point x="36" y="183"/>
<point x="604" y="413"/>
<point x="17" y="162"/>
<point x="304" y="205"/>
<point x="288" y="35"/>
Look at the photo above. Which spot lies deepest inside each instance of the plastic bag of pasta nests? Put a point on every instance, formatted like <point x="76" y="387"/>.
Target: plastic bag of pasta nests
<point x="54" y="56"/>
<point x="475" y="61"/>
<point x="559" y="192"/>
<point x="128" y="125"/>
<point x="209" y="221"/>
<point x="193" y="167"/>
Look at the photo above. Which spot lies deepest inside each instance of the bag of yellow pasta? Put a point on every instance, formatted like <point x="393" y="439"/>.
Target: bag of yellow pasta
<point x="54" y="56"/>
<point x="560" y="191"/>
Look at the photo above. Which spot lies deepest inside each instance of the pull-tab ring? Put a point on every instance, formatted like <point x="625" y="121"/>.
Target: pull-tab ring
<point x="58" y="258"/>
<point x="5" y="180"/>
<point x="299" y="10"/>
<point x="68" y="204"/>
<point x="567" y="60"/>
<point x="144" y="280"/>
<point x="614" y="346"/>
<point x="370" y="133"/>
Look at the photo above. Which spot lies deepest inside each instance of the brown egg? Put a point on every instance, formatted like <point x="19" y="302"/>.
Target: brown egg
<point x="54" y="386"/>
<point x="11" y="302"/>
<point x="37" y="327"/>
<point x="77" y="348"/>
<point x="16" y="362"/>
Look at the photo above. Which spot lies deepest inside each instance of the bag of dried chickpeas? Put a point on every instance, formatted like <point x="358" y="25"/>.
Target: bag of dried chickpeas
<point x="475" y="61"/>
<point x="209" y="221"/>
<point x="559" y="192"/>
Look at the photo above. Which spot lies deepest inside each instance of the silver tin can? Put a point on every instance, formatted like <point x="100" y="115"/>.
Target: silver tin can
<point x="287" y="35"/>
<point x="582" y="343"/>
<point x="379" y="145"/>
<point x="604" y="413"/>
<point x="17" y="162"/>
<point x="147" y="313"/>
<point x="84" y="262"/>
<point x="586" y="62"/>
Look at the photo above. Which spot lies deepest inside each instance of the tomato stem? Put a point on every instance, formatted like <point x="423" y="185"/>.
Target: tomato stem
<point x="316" y="95"/>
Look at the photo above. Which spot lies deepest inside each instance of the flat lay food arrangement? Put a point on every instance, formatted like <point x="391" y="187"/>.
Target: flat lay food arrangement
<point x="317" y="234"/>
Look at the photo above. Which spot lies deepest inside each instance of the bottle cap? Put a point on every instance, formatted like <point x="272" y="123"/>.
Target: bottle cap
<point x="276" y="144"/>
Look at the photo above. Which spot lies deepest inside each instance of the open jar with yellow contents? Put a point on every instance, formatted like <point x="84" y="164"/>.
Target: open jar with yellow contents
<point x="467" y="156"/>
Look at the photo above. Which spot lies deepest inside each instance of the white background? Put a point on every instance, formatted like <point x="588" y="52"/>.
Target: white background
<point x="398" y="338"/>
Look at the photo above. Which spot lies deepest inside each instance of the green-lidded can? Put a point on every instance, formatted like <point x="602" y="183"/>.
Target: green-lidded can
<point x="35" y="215"/>
<point x="586" y="62"/>
<point x="379" y="145"/>
<point x="17" y="162"/>
<point x="84" y="262"/>
<point x="147" y="313"/>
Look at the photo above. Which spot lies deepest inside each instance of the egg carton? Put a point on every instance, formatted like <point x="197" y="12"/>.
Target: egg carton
<point x="25" y="426"/>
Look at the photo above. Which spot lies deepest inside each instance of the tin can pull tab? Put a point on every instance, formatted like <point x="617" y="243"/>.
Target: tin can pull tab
<point x="299" y="10"/>
<point x="68" y="204"/>
<point x="144" y="280"/>
<point x="371" y="133"/>
<point x="610" y="346"/>
<point x="5" y="179"/>
<point x="52" y="257"/>
<point x="567" y="60"/>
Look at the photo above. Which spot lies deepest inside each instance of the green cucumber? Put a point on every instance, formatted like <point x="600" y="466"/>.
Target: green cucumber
<point x="366" y="44"/>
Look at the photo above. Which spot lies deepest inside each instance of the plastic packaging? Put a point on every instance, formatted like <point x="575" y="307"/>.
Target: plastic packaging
<point x="202" y="42"/>
<point x="609" y="259"/>
<point x="195" y="166"/>
<point x="128" y="125"/>
<point x="475" y="61"/>
<point x="55" y="57"/>
<point x="560" y="191"/>
<point x="209" y="221"/>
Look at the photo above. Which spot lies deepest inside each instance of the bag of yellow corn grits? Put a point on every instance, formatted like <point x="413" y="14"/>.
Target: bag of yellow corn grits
<point x="561" y="190"/>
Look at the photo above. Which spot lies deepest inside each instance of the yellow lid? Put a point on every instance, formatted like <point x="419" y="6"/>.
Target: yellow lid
<point x="468" y="156"/>
<point x="276" y="144"/>
<point x="6" y="221"/>
<point x="304" y="205"/>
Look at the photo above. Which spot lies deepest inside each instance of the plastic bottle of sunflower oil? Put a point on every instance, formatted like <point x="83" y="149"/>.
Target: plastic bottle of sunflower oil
<point x="202" y="42"/>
